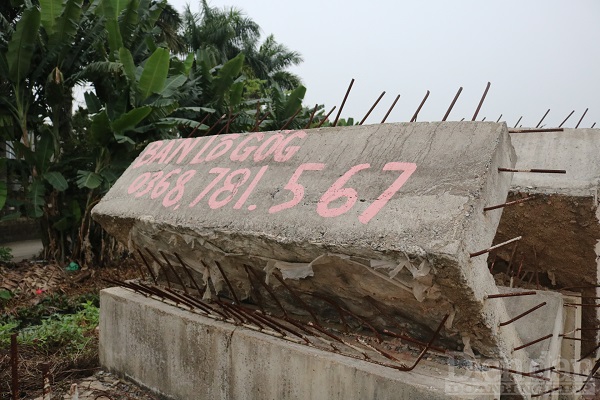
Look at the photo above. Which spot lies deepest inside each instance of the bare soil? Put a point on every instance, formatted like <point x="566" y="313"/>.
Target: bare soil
<point x="557" y="251"/>
<point x="32" y="282"/>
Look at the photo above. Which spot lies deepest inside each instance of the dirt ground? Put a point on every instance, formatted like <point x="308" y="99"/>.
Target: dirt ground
<point x="34" y="281"/>
<point x="556" y="253"/>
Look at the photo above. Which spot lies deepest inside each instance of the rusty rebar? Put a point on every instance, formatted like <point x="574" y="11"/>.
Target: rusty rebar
<point x="226" y="126"/>
<point x="593" y="125"/>
<point x="414" y="117"/>
<point x="535" y="130"/>
<point x="47" y="390"/>
<point x="298" y="298"/>
<point x="496" y="296"/>
<point x="198" y="126"/>
<point x="337" y="307"/>
<point x="539" y="371"/>
<point x="14" y="363"/>
<point x="257" y="113"/>
<point x="512" y="257"/>
<point x="535" y="170"/>
<point x="372" y="108"/>
<point x="568" y="116"/>
<point x="289" y="121"/>
<point x="235" y="298"/>
<point x="326" y="117"/>
<point x="160" y="265"/>
<point x="412" y="340"/>
<point x="510" y="203"/>
<point x="312" y="116"/>
<point x="493" y="263"/>
<point x="281" y="326"/>
<point x="520" y="118"/>
<point x="533" y="342"/>
<point x="189" y="274"/>
<point x="498" y="120"/>
<point x="147" y="265"/>
<point x="452" y="104"/>
<point x="510" y="321"/>
<point x="575" y="338"/>
<point x="478" y="253"/>
<point x="581" y="119"/>
<point x="542" y="120"/>
<point x="559" y="371"/>
<point x="580" y="287"/>
<point x="487" y="87"/>
<point x="337" y="117"/>
<point x="483" y="119"/>
<point x="173" y="270"/>
<point x="590" y="375"/>
<point x="257" y="125"/>
<point x="520" y="267"/>
<point x="214" y="125"/>
<point x="390" y="109"/>
<point x="546" y="392"/>
<point x="512" y="371"/>
<point x="424" y="351"/>
<point x="267" y="288"/>
<point x="589" y="353"/>
<point x="580" y="305"/>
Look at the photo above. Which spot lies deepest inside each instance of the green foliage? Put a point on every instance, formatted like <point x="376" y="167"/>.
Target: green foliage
<point x="147" y="82"/>
<point x="58" y="330"/>
<point x="5" y="256"/>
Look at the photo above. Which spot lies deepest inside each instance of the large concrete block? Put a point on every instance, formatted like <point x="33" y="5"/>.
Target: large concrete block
<point x="561" y="228"/>
<point x="186" y="356"/>
<point x="384" y="213"/>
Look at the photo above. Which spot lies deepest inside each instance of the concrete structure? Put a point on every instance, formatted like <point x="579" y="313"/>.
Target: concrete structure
<point x="186" y="356"/>
<point x="561" y="227"/>
<point x="383" y="225"/>
<point x="392" y="214"/>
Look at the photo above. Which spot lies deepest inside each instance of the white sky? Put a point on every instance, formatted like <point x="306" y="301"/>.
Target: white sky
<point x="538" y="54"/>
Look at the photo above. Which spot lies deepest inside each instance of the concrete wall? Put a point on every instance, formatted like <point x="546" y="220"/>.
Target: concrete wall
<point x="411" y="257"/>
<point x="188" y="356"/>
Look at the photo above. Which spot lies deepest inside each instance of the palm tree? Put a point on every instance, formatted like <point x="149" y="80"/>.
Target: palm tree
<point x="270" y="62"/>
<point x="224" y="33"/>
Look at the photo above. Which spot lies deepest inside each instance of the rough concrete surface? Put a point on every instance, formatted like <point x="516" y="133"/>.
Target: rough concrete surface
<point x="411" y="258"/>
<point x="188" y="356"/>
<point x="561" y="227"/>
<point x="574" y="150"/>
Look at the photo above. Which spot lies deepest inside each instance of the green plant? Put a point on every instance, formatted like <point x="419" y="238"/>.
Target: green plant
<point x="70" y="330"/>
<point x="5" y="256"/>
<point x="6" y="329"/>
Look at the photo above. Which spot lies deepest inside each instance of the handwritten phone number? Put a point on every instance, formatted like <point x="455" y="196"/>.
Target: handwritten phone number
<point x="171" y="187"/>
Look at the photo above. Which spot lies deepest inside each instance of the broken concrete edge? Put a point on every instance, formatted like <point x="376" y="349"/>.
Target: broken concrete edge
<point x="574" y="150"/>
<point x="182" y="355"/>
<point x="485" y="184"/>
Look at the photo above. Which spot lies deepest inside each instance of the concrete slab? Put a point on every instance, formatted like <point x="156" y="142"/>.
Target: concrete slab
<point x="387" y="213"/>
<point x="561" y="228"/>
<point x="547" y="320"/>
<point x="187" y="356"/>
<point x="574" y="150"/>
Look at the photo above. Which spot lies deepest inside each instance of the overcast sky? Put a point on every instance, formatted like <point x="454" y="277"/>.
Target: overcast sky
<point x="537" y="54"/>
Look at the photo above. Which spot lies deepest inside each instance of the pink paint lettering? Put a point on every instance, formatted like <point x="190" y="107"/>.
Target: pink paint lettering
<point x="184" y="149"/>
<point x="222" y="148"/>
<point x="296" y="188"/>
<point x="337" y="191"/>
<point x="246" y="151"/>
<point x="148" y="154"/>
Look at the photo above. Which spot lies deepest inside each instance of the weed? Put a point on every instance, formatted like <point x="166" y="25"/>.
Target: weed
<point x="72" y="331"/>
<point x="5" y="254"/>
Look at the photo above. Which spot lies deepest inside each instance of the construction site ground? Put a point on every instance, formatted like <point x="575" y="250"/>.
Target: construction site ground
<point x="26" y="280"/>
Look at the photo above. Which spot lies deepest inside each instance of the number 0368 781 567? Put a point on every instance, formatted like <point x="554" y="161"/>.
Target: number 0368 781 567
<point x="349" y="195"/>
